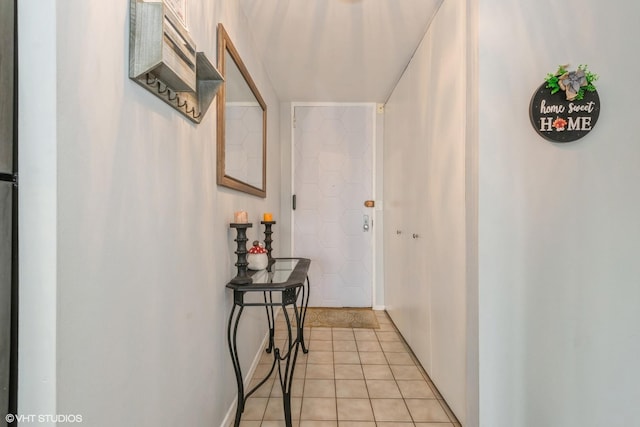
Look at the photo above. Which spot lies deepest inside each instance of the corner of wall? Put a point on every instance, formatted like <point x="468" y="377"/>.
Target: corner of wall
<point x="471" y="204"/>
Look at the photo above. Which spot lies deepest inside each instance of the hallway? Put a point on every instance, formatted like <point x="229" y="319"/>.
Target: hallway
<point x="509" y="262"/>
<point x="350" y="377"/>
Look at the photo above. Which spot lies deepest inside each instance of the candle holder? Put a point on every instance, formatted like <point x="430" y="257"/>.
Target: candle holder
<point x="267" y="242"/>
<point x="242" y="278"/>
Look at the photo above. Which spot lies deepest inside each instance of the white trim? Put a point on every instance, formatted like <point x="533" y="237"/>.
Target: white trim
<point x="293" y="170"/>
<point x="379" y="209"/>
<point x="374" y="220"/>
<point x="378" y="308"/>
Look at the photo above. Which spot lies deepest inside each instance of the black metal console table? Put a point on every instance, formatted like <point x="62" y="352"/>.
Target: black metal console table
<point x="286" y="284"/>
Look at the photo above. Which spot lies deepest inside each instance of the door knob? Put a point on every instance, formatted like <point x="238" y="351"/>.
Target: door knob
<point x="365" y="226"/>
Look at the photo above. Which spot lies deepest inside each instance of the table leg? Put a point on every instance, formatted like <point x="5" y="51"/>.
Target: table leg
<point x="271" y="319"/>
<point x="306" y="289"/>
<point x="286" y="376"/>
<point x="272" y="323"/>
<point x="233" y="349"/>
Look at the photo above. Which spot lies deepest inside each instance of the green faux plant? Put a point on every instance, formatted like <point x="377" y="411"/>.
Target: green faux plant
<point x="574" y="83"/>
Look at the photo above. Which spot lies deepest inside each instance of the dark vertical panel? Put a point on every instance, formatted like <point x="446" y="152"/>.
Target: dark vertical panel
<point x="8" y="212"/>
<point x="6" y="84"/>
<point x="6" y="261"/>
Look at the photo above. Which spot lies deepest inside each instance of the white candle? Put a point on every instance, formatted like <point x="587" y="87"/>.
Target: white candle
<point x="240" y="217"/>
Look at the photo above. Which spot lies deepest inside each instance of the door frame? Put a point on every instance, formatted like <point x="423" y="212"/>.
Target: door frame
<point x="376" y="169"/>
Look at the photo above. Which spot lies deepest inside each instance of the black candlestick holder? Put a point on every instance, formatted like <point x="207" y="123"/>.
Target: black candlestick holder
<point x="267" y="242"/>
<point x="242" y="278"/>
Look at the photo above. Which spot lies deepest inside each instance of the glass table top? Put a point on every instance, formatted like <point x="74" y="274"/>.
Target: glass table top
<point x="285" y="273"/>
<point x="280" y="272"/>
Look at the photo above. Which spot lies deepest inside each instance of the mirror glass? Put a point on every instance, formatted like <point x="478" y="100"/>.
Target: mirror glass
<point x="242" y="116"/>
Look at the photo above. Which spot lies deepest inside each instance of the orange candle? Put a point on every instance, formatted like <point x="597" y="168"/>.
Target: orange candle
<point x="268" y="217"/>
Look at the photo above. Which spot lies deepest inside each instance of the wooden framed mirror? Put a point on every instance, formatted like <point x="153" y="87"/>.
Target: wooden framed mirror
<point x="242" y="124"/>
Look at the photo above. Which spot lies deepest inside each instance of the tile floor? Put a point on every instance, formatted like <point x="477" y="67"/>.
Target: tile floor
<point x="350" y="378"/>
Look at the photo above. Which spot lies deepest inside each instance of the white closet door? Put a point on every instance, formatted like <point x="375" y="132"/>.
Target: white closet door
<point x="399" y="274"/>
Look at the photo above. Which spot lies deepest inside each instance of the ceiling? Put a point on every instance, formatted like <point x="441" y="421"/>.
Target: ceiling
<point x="337" y="50"/>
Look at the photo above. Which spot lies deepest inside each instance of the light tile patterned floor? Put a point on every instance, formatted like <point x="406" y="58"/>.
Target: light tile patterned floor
<point x="350" y="378"/>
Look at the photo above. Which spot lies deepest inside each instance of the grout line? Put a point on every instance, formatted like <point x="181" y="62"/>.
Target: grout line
<point x="452" y="418"/>
<point x="408" y="350"/>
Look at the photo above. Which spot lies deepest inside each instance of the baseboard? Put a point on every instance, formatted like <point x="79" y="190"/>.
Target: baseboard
<point x="231" y="413"/>
<point x="378" y="308"/>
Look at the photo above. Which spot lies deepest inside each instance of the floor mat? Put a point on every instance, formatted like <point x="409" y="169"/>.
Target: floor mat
<point x="318" y="317"/>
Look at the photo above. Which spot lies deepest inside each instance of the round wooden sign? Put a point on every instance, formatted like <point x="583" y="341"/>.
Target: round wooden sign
<point x="559" y="120"/>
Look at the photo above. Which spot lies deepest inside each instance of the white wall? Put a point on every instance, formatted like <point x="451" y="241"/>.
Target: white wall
<point x="425" y="194"/>
<point x="37" y="208"/>
<point x="141" y="248"/>
<point x="558" y="224"/>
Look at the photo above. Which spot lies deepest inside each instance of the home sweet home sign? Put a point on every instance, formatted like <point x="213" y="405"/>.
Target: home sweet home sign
<point x="567" y="106"/>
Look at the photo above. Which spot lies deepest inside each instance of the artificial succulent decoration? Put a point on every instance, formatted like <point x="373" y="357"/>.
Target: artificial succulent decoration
<point x="573" y="83"/>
